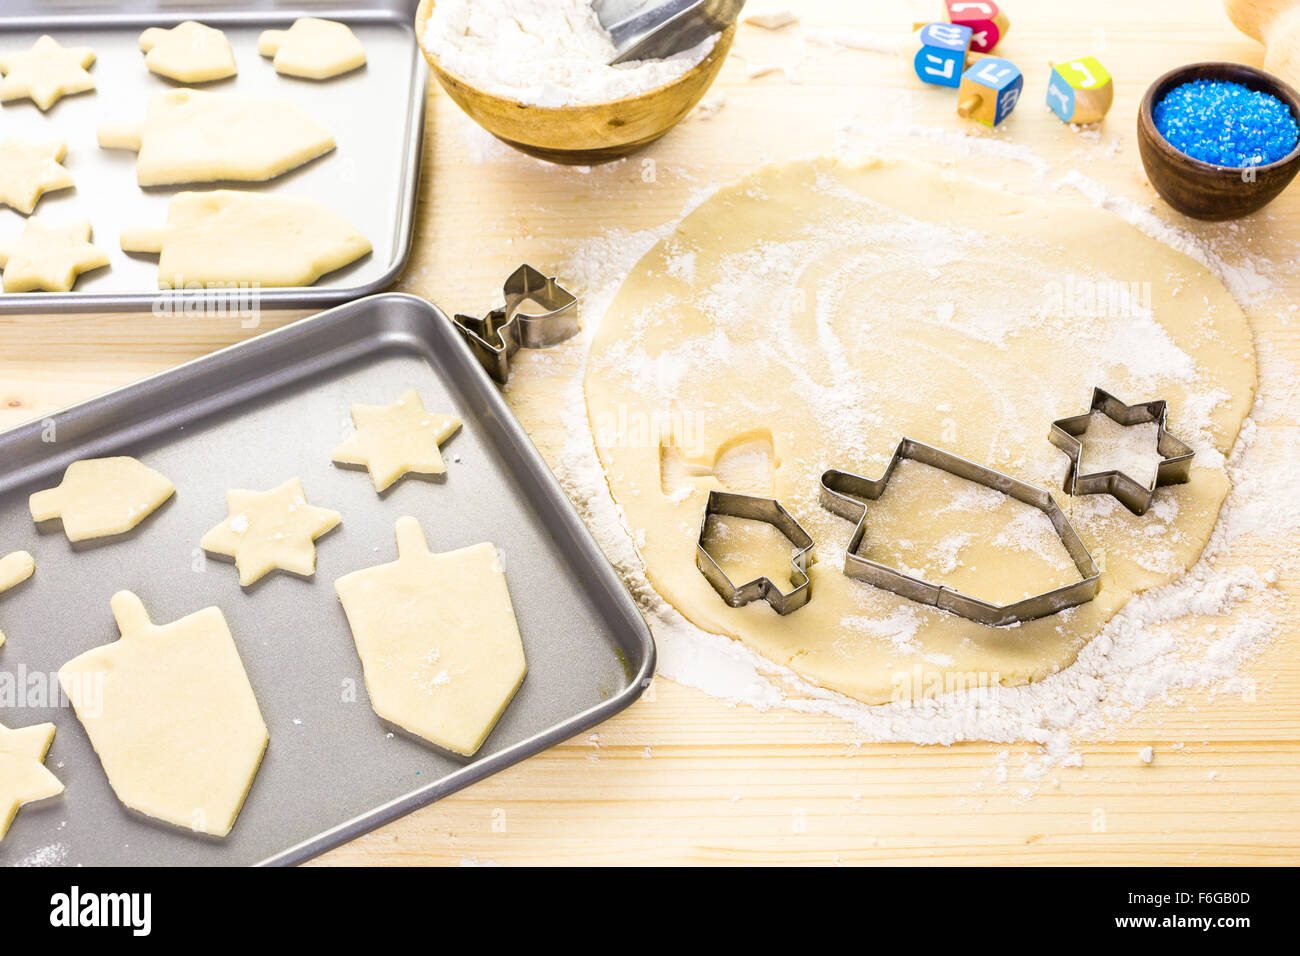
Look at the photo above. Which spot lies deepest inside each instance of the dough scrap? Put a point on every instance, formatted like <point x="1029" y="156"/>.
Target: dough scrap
<point x="270" y="529"/>
<point x="313" y="49"/>
<point x="30" y="170"/>
<point x="834" y="307"/>
<point x="99" y="497"/>
<point x="49" y="257"/>
<point x="23" y="776"/>
<point x="392" y="440"/>
<point x="170" y="712"/>
<point x="437" y="638"/>
<point x="15" y="568"/>
<point x="190" y="52"/>
<point x="192" y="136"/>
<point x="46" y="73"/>
<point x="227" y="237"/>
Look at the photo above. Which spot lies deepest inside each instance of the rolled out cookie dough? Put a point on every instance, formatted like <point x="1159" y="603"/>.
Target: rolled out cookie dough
<point x="15" y="568"/>
<point x="226" y="237"/>
<point x="272" y="529"/>
<point x="99" y="497"/>
<point x="191" y="136"/>
<point x="313" y="49"/>
<point x="824" y="310"/>
<point x="189" y="52"/>
<point x="46" y="73"/>
<point x="437" y="638"/>
<point x="170" y="712"/>
<point x="392" y="440"/>
<point x="30" y="170"/>
<point x="48" y="257"/>
<point x="23" y="776"/>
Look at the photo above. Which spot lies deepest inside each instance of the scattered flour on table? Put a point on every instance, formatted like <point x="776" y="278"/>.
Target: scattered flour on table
<point x="549" y="53"/>
<point x="1157" y="646"/>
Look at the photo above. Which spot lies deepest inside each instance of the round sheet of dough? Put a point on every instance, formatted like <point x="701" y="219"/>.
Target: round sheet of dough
<point x="812" y="314"/>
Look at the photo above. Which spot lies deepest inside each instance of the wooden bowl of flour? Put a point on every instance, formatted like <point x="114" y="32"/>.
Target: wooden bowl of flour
<point x="581" y="135"/>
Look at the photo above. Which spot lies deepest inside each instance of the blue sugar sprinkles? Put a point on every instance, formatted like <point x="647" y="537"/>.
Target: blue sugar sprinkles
<point x="1227" y="124"/>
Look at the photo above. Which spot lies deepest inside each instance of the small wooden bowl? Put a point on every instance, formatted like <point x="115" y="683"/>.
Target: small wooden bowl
<point x="580" y="135"/>
<point x="1203" y="190"/>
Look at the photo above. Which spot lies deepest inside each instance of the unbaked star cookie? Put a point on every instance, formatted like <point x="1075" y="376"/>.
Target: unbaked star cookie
<point x="189" y="52"/>
<point x="23" y="776"/>
<point x="99" y="497"/>
<point x="171" y="715"/>
<point x="46" y="73"/>
<point x="29" y="171"/>
<point x="391" y="440"/>
<point x="15" y="568"/>
<point x="313" y="49"/>
<point x="49" y="257"/>
<point x="437" y="638"/>
<point x="270" y="529"/>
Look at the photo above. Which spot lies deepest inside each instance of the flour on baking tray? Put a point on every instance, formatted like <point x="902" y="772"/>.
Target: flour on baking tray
<point x="1157" y="646"/>
<point x="549" y="53"/>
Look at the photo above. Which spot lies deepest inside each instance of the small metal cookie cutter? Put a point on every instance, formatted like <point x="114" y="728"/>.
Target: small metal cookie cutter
<point x="768" y="510"/>
<point x="842" y="493"/>
<point x="495" y="338"/>
<point x="1174" y="469"/>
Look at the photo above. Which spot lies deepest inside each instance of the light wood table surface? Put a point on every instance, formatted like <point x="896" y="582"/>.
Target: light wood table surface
<point x="681" y="777"/>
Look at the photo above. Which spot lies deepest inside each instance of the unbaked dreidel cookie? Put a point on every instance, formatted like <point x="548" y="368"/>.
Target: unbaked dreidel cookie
<point x="437" y="638"/>
<point x="169" y="710"/>
<point x="30" y="170"/>
<point x="99" y="497"/>
<point x="23" y="776"/>
<point x="191" y="136"/>
<point x="48" y="257"/>
<point x="228" y="237"/>
<point x="46" y="73"/>
<point x="270" y="529"/>
<point x="313" y="49"/>
<point x="391" y="440"/>
<point x="189" y="52"/>
<point x="15" y="568"/>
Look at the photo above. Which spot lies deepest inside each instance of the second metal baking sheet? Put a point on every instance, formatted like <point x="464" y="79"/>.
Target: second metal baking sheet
<point x="376" y="114"/>
<point x="253" y="416"/>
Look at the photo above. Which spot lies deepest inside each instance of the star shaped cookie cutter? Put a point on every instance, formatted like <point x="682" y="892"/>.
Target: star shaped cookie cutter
<point x="768" y="510"/>
<point x="495" y="338"/>
<point x="1176" y="456"/>
<point x="842" y="493"/>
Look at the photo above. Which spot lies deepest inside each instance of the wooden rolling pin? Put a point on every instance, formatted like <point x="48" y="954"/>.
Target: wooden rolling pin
<point x="1276" y="24"/>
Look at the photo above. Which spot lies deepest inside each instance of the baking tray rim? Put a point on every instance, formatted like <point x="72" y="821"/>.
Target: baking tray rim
<point x="476" y="770"/>
<point x="280" y="297"/>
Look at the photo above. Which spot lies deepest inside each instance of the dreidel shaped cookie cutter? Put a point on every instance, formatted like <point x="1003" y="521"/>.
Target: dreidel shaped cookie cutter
<point x="768" y="510"/>
<point x="496" y="337"/>
<point x="1175" y="456"/>
<point x="846" y="494"/>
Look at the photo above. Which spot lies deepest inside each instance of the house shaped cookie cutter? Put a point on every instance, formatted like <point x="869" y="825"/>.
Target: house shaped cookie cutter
<point x="495" y="338"/>
<point x="844" y="494"/>
<point x="770" y="511"/>
<point x="1176" y="456"/>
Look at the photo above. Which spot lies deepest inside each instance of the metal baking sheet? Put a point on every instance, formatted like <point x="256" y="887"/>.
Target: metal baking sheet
<point x="376" y="115"/>
<point x="251" y="416"/>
